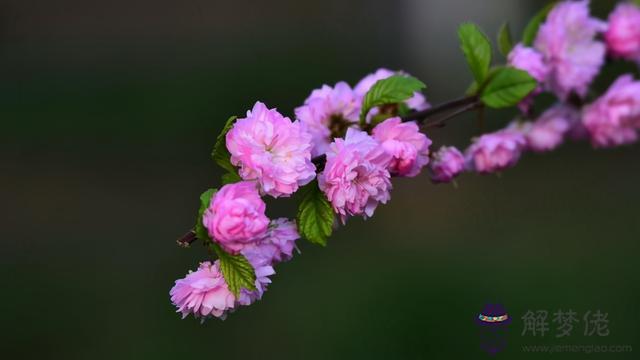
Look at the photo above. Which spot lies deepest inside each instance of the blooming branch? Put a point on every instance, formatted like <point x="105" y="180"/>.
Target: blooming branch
<point x="346" y="143"/>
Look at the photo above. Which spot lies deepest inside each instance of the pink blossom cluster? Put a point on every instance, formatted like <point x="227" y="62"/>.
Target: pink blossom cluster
<point x="235" y="220"/>
<point x="354" y="163"/>
<point x="566" y="54"/>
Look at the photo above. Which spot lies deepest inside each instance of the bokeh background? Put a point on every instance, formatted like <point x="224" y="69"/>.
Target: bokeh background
<point x="109" y="110"/>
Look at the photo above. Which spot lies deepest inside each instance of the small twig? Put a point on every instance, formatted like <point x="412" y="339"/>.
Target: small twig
<point x="423" y="115"/>
<point x="440" y="122"/>
<point x="187" y="239"/>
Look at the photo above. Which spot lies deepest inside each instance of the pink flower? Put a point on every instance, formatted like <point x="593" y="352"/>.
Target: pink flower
<point x="447" y="163"/>
<point x="495" y="152"/>
<point x="623" y="34"/>
<point x="567" y="41"/>
<point x="328" y="108"/>
<point x="355" y="178"/>
<point x="271" y="149"/>
<point x="416" y="102"/>
<point x="263" y="269"/>
<point x="408" y="147"/>
<point x="277" y="244"/>
<point x="613" y="118"/>
<point x="235" y="218"/>
<point x="531" y="61"/>
<point x="549" y="130"/>
<point x="203" y="292"/>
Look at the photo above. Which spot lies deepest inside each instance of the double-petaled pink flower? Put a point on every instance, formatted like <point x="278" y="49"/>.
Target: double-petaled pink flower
<point x="408" y="147"/>
<point x="276" y="244"/>
<point x="495" y="152"/>
<point x="236" y="216"/>
<point x="203" y="292"/>
<point x="447" y="163"/>
<point x="623" y="34"/>
<point x="262" y="269"/>
<point x="567" y="42"/>
<point x="325" y="110"/>
<point x="550" y="129"/>
<point x="613" y="119"/>
<point x="272" y="150"/>
<point x="355" y="178"/>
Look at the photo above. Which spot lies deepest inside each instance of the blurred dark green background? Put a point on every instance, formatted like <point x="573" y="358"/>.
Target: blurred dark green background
<point x="109" y="112"/>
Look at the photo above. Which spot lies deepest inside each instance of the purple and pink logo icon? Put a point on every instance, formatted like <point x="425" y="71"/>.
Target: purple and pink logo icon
<point x="493" y="323"/>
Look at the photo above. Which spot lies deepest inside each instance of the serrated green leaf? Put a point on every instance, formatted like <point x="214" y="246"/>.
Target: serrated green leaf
<point x="315" y="215"/>
<point x="230" y="178"/>
<point x="394" y="89"/>
<point x="220" y="153"/>
<point x="477" y="50"/>
<point x="236" y="270"/>
<point x="505" y="41"/>
<point x="507" y="87"/>
<point x="531" y="30"/>
<point x="205" y="200"/>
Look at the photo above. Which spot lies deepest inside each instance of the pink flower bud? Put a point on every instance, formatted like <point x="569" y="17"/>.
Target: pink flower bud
<point x="549" y="130"/>
<point x="447" y="163"/>
<point x="623" y="34"/>
<point x="613" y="119"/>
<point x="495" y="152"/>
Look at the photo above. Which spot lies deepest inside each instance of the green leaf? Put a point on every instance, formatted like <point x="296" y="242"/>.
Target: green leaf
<point x="315" y="215"/>
<point x="230" y="178"/>
<point x="205" y="200"/>
<point x="472" y="89"/>
<point x="637" y="2"/>
<point x="505" y="41"/>
<point x="394" y="89"/>
<point x="477" y="49"/>
<point x="404" y="109"/>
<point x="507" y="87"/>
<point x="220" y="153"/>
<point x="531" y="30"/>
<point x="236" y="269"/>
